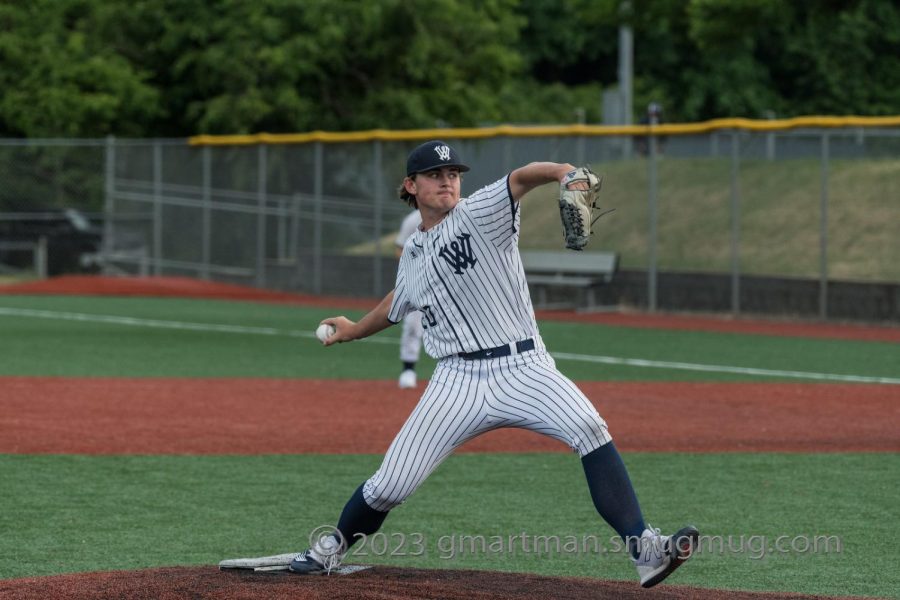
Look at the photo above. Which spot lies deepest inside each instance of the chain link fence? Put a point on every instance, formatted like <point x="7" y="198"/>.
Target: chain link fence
<point x="801" y="206"/>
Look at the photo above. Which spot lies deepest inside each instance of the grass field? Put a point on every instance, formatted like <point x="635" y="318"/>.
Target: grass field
<point x="89" y="336"/>
<point x="63" y="513"/>
<point x="76" y="513"/>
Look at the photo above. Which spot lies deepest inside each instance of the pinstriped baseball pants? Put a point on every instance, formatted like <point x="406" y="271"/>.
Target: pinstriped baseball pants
<point x="467" y="398"/>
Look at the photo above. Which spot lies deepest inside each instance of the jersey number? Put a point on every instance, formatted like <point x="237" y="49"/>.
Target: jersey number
<point x="428" y="319"/>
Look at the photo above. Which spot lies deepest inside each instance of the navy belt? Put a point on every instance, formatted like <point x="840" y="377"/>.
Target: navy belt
<point x="505" y="350"/>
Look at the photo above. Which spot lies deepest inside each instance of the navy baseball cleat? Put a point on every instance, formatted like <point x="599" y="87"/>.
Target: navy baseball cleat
<point x="324" y="556"/>
<point x="659" y="555"/>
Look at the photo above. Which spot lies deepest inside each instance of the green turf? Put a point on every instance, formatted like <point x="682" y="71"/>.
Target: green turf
<point x="77" y="513"/>
<point x="40" y="346"/>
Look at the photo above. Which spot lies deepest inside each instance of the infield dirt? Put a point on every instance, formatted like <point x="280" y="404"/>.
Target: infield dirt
<point x="245" y="416"/>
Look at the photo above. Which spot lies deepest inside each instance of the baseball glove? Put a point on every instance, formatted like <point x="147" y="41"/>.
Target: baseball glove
<point x="576" y="206"/>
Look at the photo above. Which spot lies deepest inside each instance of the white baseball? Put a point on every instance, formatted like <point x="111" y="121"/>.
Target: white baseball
<point x="324" y="332"/>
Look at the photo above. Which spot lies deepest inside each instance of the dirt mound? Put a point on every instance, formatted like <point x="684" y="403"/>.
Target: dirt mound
<point x="376" y="583"/>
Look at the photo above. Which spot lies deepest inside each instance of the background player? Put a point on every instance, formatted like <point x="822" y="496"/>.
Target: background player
<point x="411" y="338"/>
<point x="462" y="269"/>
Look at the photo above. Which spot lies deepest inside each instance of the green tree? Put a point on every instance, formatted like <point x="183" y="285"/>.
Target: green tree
<point x="59" y="79"/>
<point x="842" y="61"/>
<point x="573" y="42"/>
<point x="176" y="68"/>
<point x="716" y="58"/>
<point x="282" y="65"/>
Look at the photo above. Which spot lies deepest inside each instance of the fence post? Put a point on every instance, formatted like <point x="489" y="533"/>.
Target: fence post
<point x="40" y="257"/>
<point x="261" y="181"/>
<point x="317" y="219"/>
<point x="294" y="249"/>
<point x="653" y="201"/>
<point x="206" y="219"/>
<point x="379" y="208"/>
<point x="157" y="208"/>
<point x="823" y="232"/>
<point x="626" y="73"/>
<point x="735" y="225"/>
<point x="770" y="138"/>
<point x="109" y="203"/>
<point x="507" y="154"/>
<point x="281" y="220"/>
<point x="580" y="154"/>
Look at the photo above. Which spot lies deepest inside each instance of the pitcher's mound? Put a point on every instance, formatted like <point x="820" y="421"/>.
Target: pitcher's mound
<point x="376" y="583"/>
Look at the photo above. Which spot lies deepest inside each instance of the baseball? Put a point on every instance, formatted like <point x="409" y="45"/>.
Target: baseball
<point x="324" y="332"/>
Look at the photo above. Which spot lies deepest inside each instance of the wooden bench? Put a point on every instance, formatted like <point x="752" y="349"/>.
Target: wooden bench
<point x="565" y="268"/>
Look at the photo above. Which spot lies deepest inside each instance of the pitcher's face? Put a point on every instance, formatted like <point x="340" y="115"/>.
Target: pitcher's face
<point x="437" y="191"/>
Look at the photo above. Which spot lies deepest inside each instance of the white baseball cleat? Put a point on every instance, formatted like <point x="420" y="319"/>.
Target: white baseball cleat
<point x="407" y="379"/>
<point x="659" y="555"/>
<point x="324" y="556"/>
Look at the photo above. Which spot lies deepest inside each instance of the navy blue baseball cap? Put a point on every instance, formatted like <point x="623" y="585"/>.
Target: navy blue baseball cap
<point x="433" y="155"/>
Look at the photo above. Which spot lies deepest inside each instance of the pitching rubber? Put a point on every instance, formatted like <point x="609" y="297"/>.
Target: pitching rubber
<point x="278" y="563"/>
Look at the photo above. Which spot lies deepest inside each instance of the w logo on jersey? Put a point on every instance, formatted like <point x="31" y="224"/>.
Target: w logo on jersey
<point x="459" y="254"/>
<point x="443" y="152"/>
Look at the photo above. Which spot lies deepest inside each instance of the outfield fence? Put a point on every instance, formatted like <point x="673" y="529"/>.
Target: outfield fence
<point x="811" y="199"/>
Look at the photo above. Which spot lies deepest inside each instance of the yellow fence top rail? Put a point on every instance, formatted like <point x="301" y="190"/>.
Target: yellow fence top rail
<point x="409" y="135"/>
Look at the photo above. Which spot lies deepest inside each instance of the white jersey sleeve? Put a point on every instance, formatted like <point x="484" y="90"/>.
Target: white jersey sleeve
<point x="496" y="213"/>
<point x="401" y="305"/>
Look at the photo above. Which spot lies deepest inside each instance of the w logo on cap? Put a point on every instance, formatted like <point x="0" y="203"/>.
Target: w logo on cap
<point x="421" y="159"/>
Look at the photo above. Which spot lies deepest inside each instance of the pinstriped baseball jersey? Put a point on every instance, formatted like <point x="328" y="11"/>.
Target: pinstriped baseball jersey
<point x="466" y="276"/>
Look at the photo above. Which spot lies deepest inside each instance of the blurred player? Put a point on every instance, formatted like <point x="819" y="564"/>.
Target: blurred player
<point x="411" y="338"/>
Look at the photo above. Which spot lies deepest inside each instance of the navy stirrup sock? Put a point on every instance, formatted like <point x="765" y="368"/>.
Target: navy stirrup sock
<point x="359" y="518"/>
<point x="611" y="491"/>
